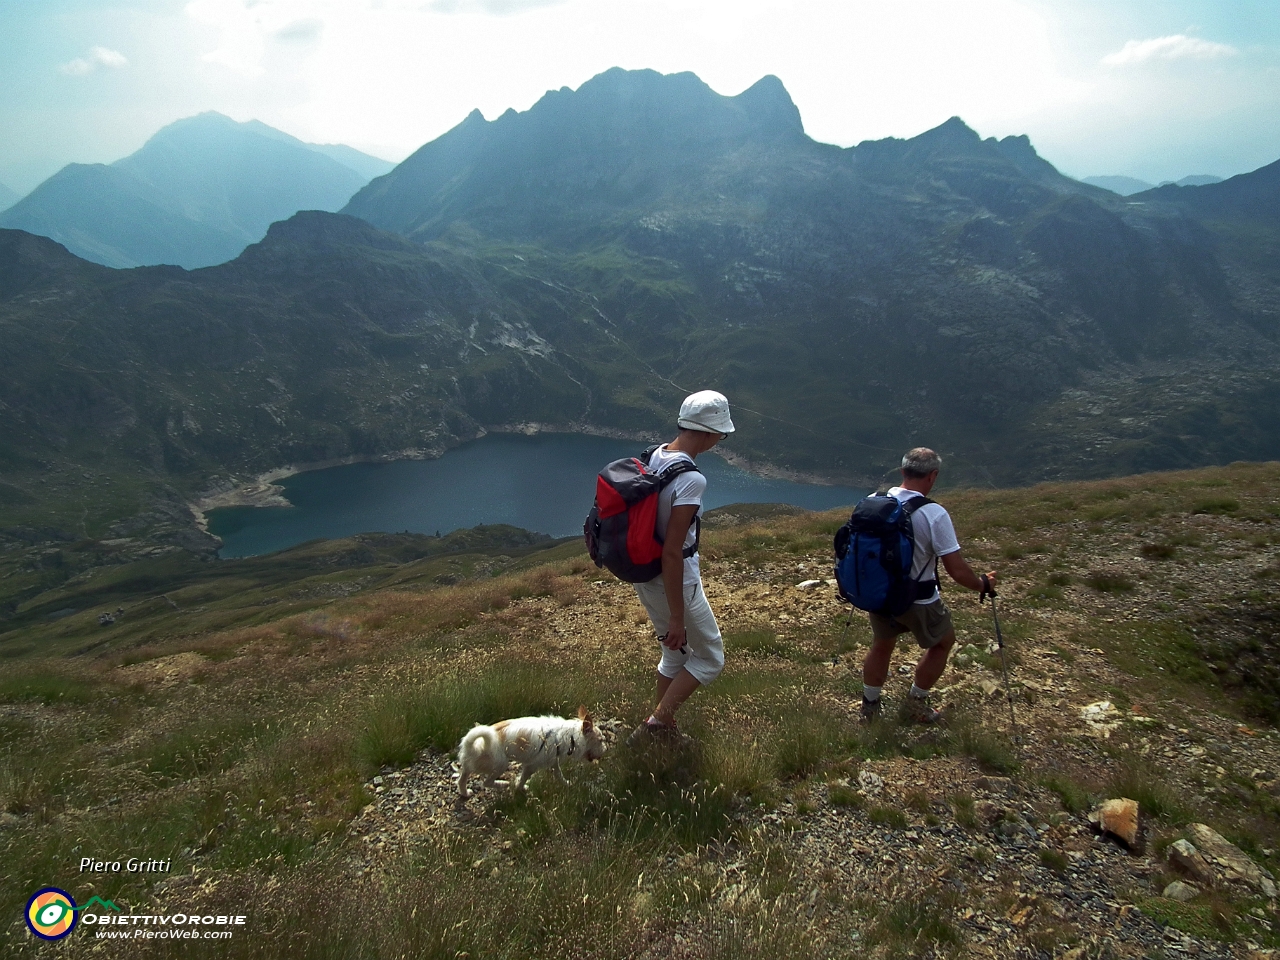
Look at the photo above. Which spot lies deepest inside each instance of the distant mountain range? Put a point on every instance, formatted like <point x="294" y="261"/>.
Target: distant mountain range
<point x="7" y="197"/>
<point x="584" y="264"/>
<point x="196" y="194"/>
<point x="1126" y="186"/>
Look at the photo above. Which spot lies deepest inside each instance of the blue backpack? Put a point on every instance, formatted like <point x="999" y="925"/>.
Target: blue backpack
<point x="874" y="550"/>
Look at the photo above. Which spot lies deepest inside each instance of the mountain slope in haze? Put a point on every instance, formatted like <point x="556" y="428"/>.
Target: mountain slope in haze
<point x="195" y="194"/>
<point x="1118" y="184"/>
<point x="362" y="163"/>
<point x="7" y="197"/>
<point x="1251" y="196"/>
<point x="1127" y="186"/>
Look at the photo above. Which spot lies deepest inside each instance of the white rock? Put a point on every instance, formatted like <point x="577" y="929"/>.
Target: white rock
<point x="1100" y="718"/>
<point x="808" y="584"/>
<point x="870" y="783"/>
<point x="1181" y="891"/>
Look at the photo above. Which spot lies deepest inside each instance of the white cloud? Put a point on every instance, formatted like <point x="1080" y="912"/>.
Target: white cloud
<point x="307" y="30"/>
<point x="498" y="8"/>
<point x="1177" y="47"/>
<point x="98" y="57"/>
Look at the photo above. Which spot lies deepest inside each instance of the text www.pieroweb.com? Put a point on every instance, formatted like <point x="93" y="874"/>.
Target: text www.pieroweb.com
<point x="176" y="926"/>
<point x="179" y="934"/>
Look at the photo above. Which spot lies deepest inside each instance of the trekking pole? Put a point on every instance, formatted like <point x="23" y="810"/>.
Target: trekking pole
<point x="990" y="591"/>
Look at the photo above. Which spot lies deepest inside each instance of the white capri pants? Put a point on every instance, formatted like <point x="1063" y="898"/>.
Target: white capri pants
<point x="703" y="655"/>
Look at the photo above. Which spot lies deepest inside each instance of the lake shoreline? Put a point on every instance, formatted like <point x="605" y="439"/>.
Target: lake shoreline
<point x="264" y="490"/>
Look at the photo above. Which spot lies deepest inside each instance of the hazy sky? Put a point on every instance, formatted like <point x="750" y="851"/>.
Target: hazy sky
<point x="1155" y="89"/>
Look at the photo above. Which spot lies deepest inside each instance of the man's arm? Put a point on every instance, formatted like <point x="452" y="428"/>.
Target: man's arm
<point x="673" y="570"/>
<point x="962" y="573"/>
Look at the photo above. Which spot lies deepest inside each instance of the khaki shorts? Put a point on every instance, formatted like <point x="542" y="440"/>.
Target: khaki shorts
<point x="929" y="622"/>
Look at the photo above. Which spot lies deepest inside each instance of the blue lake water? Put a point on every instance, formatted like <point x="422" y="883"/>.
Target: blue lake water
<point x="544" y="483"/>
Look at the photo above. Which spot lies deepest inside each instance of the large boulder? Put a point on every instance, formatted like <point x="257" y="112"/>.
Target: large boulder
<point x="1229" y="862"/>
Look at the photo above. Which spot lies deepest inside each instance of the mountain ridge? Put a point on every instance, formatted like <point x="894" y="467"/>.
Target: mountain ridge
<point x="947" y="289"/>
<point x="195" y="194"/>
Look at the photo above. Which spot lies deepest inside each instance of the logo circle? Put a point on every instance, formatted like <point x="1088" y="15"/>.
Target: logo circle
<point x="51" y="913"/>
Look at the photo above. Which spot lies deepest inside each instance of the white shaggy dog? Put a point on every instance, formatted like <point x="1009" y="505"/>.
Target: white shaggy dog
<point x="535" y="743"/>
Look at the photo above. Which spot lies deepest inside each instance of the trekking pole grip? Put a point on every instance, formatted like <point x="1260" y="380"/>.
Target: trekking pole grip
<point x="987" y="589"/>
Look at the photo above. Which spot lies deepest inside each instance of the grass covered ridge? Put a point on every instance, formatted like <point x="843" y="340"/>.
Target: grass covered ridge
<point x="241" y="739"/>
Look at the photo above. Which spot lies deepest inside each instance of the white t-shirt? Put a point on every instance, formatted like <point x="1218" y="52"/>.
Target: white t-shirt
<point x="934" y="535"/>
<point x="685" y="490"/>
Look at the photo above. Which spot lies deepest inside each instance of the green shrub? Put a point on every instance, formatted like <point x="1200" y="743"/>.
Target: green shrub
<point x="843" y="795"/>
<point x="916" y="922"/>
<point x="1216" y="505"/>
<point x="46" y="684"/>
<point x="1155" y="797"/>
<point x="992" y="752"/>
<point x="401" y="723"/>
<point x="758" y="643"/>
<point x="1107" y="582"/>
<point x="1053" y="860"/>
<point x="887" y="816"/>
<point x="962" y="806"/>
<point x="1075" y="798"/>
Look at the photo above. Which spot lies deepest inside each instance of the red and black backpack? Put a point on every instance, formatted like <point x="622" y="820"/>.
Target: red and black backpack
<point x="622" y="528"/>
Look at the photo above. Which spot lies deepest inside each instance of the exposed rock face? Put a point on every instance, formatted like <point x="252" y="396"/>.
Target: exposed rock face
<point x="1185" y="857"/>
<point x="1231" y="863"/>
<point x="1181" y="891"/>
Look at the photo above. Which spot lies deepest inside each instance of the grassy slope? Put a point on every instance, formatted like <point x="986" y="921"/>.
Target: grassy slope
<point x="238" y="735"/>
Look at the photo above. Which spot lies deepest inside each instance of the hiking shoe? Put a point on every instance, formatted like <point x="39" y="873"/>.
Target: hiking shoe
<point x="917" y="710"/>
<point x="653" y="732"/>
<point x="870" y="710"/>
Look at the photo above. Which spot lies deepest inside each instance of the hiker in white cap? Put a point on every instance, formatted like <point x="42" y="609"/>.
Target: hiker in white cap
<point x="692" y="649"/>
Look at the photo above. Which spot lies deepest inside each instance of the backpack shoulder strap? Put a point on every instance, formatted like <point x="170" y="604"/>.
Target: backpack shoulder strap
<point x="672" y="470"/>
<point x="910" y="507"/>
<point x="669" y="473"/>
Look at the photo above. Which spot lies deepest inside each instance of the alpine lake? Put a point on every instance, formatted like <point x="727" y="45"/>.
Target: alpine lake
<point x="543" y="483"/>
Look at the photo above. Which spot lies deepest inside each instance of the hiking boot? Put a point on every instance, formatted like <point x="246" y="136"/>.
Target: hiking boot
<point x="653" y="732"/>
<point x="870" y="710"/>
<point x="917" y="710"/>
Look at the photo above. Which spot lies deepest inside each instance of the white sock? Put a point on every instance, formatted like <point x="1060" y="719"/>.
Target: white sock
<point x="871" y="693"/>
<point x="918" y="692"/>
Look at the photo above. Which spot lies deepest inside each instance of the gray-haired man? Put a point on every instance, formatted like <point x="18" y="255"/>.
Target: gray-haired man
<point x="928" y="620"/>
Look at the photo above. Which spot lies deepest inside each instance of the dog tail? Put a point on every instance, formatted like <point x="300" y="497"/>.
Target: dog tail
<point x="479" y="741"/>
<point x="479" y="752"/>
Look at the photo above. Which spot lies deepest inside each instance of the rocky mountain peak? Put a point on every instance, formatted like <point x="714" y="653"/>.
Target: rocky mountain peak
<point x="953" y="132"/>
<point x="318" y="231"/>
<point x="770" y="105"/>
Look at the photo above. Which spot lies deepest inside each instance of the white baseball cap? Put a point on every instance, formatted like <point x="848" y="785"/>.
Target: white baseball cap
<point x="707" y="411"/>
